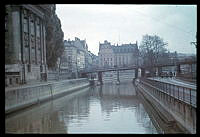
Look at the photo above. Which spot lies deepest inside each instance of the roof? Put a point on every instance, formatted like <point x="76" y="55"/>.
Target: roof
<point x="124" y="48"/>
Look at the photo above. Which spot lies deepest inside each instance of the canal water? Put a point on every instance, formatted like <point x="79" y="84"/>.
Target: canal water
<point x="108" y="108"/>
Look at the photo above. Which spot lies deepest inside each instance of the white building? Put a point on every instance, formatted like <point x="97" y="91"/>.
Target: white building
<point x="120" y="55"/>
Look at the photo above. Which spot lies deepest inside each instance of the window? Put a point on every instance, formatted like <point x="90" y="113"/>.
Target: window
<point x="25" y="25"/>
<point x="32" y="41"/>
<point x="32" y="28"/>
<point x="38" y="43"/>
<point x="17" y="80"/>
<point x="29" y="68"/>
<point x="10" y="81"/>
<point x="38" y="31"/>
<point x="25" y="39"/>
<point x="6" y="22"/>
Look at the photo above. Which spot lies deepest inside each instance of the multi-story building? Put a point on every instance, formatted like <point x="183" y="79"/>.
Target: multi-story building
<point x="91" y="62"/>
<point x="116" y="56"/>
<point x="95" y="61"/>
<point x="88" y="60"/>
<point x="25" y="43"/>
<point x="74" y="56"/>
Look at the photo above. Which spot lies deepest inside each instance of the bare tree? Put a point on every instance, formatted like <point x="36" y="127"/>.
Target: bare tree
<point x="152" y="48"/>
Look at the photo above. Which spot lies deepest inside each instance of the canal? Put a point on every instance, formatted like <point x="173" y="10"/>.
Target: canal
<point x="108" y="108"/>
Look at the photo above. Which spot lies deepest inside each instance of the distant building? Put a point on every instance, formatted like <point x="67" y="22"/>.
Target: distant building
<point x="116" y="56"/>
<point x="89" y="60"/>
<point x="75" y="56"/>
<point x="186" y="68"/>
<point x="25" y="43"/>
<point x="95" y="61"/>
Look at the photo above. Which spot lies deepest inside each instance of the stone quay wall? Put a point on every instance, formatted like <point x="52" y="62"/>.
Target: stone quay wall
<point x="173" y="112"/>
<point x="21" y="97"/>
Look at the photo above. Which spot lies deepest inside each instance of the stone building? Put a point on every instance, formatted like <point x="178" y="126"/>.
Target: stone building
<point x="88" y="60"/>
<point x="95" y="61"/>
<point x="75" y="56"/>
<point x="91" y="62"/>
<point x="25" y="43"/>
<point x="117" y="56"/>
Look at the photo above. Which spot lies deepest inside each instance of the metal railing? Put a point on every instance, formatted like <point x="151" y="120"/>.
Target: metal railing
<point x="182" y="93"/>
<point x="111" y="68"/>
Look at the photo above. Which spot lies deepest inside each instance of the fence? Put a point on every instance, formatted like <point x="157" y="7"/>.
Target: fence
<point x="182" y="93"/>
<point x="180" y="101"/>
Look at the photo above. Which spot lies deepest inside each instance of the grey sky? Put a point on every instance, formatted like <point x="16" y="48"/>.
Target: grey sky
<point x="176" y="24"/>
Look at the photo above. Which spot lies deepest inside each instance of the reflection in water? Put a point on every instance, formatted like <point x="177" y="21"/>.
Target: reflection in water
<point x="103" y="109"/>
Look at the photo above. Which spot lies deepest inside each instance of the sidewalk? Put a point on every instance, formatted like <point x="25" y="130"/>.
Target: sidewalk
<point x="32" y="84"/>
<point x="28" y="85"/>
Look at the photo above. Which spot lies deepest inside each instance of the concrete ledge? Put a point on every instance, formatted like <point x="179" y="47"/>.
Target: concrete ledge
<point x="164" y="115"/>
<point x="153" y="114"/>
<point x="59" y="94"/>
<point x="154" y="102"/>
<point x="40" y="99"/>
<point x="20" y="106"/>
<point x="185" y="117"/>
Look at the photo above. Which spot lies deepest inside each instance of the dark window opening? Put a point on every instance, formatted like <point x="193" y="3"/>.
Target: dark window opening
<point x="10" y="81"/>
<point x="29" y="68"/>
<point x="17" y="81"/>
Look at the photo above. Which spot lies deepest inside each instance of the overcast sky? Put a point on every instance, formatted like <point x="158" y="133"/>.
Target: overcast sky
<point x="176" y="24"/>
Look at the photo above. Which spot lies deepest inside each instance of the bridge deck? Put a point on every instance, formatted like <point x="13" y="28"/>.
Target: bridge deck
<point x="112" y="69"/>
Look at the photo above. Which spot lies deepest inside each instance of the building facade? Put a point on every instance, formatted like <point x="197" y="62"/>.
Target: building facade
<point x="95" y="61"/>
<point x="117" y="56"/>
<point x="75" y="56"/>
<point x="25" y="43"/>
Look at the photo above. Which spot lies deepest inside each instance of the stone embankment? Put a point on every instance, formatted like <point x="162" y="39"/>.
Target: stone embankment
<point x="172" y="115"/>
<point x="21" y="97"/>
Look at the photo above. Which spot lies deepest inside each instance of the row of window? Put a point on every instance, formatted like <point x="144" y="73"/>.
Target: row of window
<point x="115" y="63"/>
<point x="119" y="59"/>
<point x="34" y="29"/>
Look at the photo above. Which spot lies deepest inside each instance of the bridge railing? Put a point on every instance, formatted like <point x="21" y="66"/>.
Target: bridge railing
<point x="108" y="68"/>
<point x="182" y="93"/>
